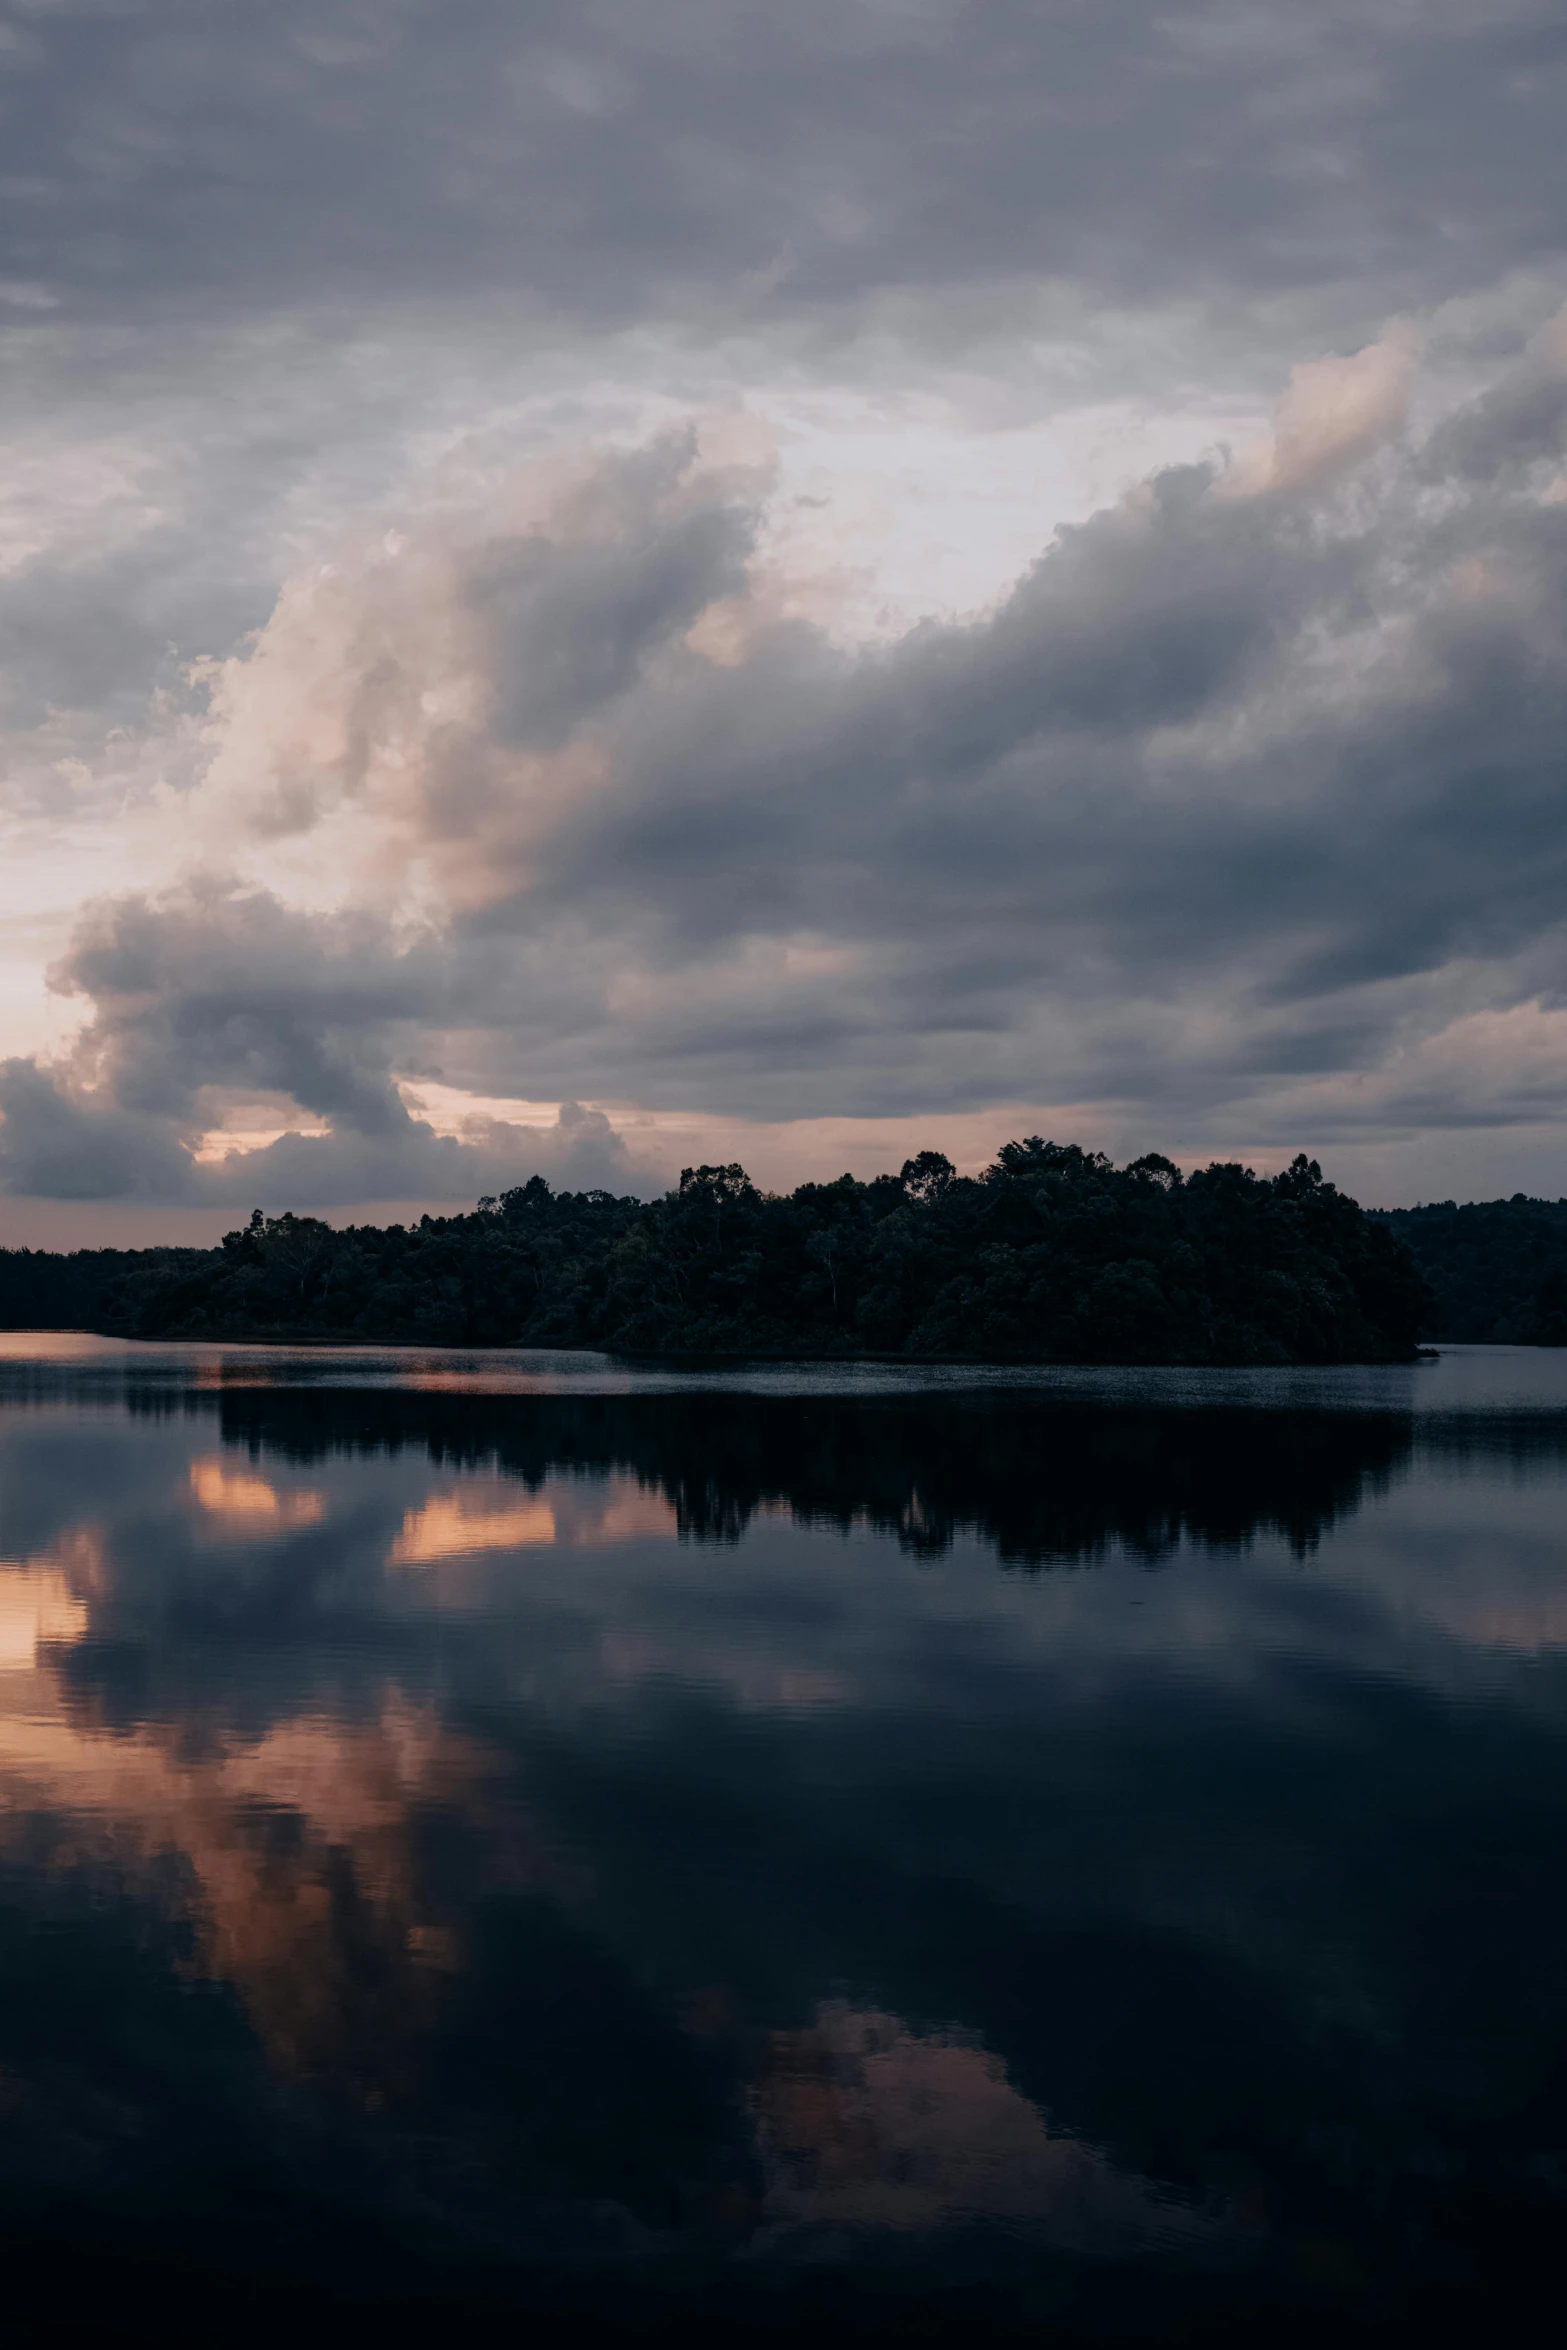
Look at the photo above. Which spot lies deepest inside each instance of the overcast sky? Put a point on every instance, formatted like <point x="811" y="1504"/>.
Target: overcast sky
<point x="590" y="586"/>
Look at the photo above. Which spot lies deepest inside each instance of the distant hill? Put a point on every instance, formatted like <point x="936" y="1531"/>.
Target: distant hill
<point x="1497" y="1268"/>
<point x="1052" y="1255"/>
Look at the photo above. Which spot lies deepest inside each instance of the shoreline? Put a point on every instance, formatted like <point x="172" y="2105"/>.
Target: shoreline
<point x="355" y="1341"/>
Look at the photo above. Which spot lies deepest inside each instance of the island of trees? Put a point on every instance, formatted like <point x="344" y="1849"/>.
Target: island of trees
<point x="1053" y="1254"/>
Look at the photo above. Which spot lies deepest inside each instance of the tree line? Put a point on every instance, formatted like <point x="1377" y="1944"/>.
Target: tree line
<point x="1496" y="1269"/>
<point x="1053" y="1254"/>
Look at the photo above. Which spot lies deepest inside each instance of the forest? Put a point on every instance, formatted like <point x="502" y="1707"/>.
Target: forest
<point x="1053" y="1254"/>
<point x="1497" y="1269"/>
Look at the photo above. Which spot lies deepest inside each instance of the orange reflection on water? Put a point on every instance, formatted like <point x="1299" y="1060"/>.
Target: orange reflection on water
<point x="300" y="1875"/>
<point x="38" y="1608"/>
<point x="251" y="1501"/>
<point x="475" y="1518"/>
<point x="864" y="2122"/>
<point x="454" y="1523"/>
<point x="626" y="1512"/>
<point x="302" y="1872"/>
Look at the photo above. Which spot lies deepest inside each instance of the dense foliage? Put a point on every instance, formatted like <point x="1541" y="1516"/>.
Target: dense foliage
<point x="1497" y="1269"/>
<point x="1052" y="1255"/>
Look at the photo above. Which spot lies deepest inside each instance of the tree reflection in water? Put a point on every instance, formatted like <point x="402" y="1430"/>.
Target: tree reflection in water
<point x="1044" y="1485"/>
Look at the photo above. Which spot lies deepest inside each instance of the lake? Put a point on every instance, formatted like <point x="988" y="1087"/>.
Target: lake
<point x="504" y="1839"/>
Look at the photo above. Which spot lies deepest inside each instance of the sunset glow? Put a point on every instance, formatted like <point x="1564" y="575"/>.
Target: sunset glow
<point x="453" y="1524"/>
<point x="249" y="1502"/>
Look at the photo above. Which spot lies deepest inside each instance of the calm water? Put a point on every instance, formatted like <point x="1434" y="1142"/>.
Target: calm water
<point x="511" y="1838"/>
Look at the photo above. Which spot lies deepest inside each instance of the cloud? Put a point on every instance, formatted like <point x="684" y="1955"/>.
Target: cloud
<point x="1336" y="411"/>
<point x="228" y="988"/>
<point x="1516" y="424"/>
<point x="215" y="995"/>
<point x="53" y="1146"/>
<point x="62" y="1145"/>
<point x="463" y="650"/>
<point x="571" y="619"/>
<point x="453" y="456"/>
<point x="580" y="1151"/>
<point x="1219" y="794"/>
<point x="1234" y="809"/>
<point x="617" y="162"/>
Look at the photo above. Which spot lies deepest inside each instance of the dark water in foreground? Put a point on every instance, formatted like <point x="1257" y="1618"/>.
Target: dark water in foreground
<point x="498" y="1841"/>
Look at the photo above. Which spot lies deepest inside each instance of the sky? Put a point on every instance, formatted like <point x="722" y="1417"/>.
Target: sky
<point x="590" y="588"/>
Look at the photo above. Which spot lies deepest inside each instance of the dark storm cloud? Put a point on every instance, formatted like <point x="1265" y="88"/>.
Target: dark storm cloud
<point x="611" y="157"/>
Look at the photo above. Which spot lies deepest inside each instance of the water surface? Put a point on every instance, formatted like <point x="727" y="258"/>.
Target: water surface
<point x="526" y="1839"/>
